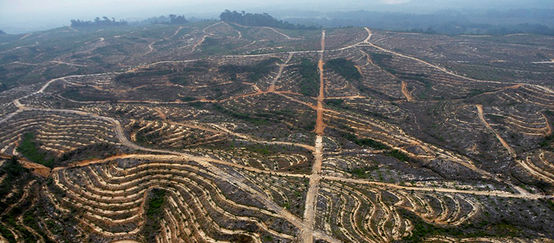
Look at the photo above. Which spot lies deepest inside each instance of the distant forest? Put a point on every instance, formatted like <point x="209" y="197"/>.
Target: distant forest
<point x="98" y="22"/>
<point x="449" y="22"/>
<point x="264" y="19"/>
<point x="170" y="19"/>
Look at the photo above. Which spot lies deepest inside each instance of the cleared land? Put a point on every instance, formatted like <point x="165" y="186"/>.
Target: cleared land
<point x="223" y="132"/>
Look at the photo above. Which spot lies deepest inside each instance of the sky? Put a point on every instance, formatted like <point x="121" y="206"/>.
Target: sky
<point x="18" y="16"/>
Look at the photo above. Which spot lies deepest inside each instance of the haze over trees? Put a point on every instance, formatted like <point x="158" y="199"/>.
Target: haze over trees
<point x="98" y="22"/>
<point x="255" y="19"/>
<point x="450" y="22"/>
<point x="170" y="19"/>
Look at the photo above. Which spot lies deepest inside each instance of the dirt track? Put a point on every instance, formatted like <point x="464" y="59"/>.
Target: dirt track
<point x="502" y="141"/>
<point x="406" y="92"/>
<point x="311" y="197"/>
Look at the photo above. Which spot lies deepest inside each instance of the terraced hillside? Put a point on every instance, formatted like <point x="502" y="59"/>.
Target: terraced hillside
<point x="214" y="131"/>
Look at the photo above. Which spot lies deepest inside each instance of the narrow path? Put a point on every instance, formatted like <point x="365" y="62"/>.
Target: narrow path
<point x="278" y="76"/>
<point x="311" y="196"/>
<point x="281" y="33"/>
<point x="502" y="141"/>
<point x="406" y="92"/>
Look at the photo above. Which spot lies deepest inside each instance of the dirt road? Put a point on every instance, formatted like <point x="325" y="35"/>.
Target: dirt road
<point x="311" y="196"/>
<point x="278" y="76"/>
<point x="502" y="141"/>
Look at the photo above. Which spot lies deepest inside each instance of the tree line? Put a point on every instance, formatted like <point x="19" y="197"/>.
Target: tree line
<point x="98" y="22"/>
<point x="170" y="19"/>
<point x="254" y="19"/>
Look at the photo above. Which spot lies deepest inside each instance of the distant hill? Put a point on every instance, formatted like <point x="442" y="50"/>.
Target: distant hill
<point x="254" y="19"/>
<point x="2" y="32"/>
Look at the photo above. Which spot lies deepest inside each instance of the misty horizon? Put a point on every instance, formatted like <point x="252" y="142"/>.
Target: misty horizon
<point x="33" y="15"/>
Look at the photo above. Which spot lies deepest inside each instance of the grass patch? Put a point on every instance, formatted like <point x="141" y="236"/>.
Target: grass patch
<point x="260" y="149"/>
<point x="398" y="155"/>
<point x="30" y="149"/>
<point x="154" y="213"/>
<point x="362" y="172"/>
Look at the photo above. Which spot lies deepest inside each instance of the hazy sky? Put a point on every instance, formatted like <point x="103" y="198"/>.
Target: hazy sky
<point x="29" y="15"/>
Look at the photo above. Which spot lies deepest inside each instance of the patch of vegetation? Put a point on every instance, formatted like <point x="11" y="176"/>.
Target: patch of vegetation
<point x="16" y="177"/>
<point x="362" y="172"/>
<point x="214" y="46"/>
<point x="252" y="118"/>
<point x="181" y="77"/>
<point x="380" y="58"/>
<point x="30" y="149"/>
<point x="398" y="155"/>
<point x="364" y="142"/>
<point x="424" y="230"/>
<point x="93" y="151"/>
<point x="371" y="143"/>
<point x="98" y="22"/>
<point x="254" y="72"/>
<point x="334" y="102"/>
<point x="7" y="234"/>
<point x="548" y="142"/>
<point x="154" y="213"/>
<point x="251" y="19"/>
<point x="260" y="149"/>
<point x="383" y="61"/>
<point x="170" y="19"/>
<point x="13" y="170"/>
<point x="344" y="68"/>
<point x="309" y="84"/>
